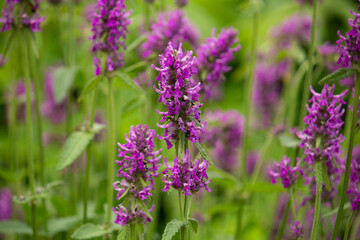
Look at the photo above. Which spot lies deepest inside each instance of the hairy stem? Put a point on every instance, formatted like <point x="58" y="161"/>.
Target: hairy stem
<point x="319" y="182"/>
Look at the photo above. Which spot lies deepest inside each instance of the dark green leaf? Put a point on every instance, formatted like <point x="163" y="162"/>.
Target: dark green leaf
<point x="203" y="153"/>
<point x="124" y="233"/>
<point x="194" y="224"/>
<point x="90" y="86"/>
<point x="338" y="75"/>
<point x="88" y="231"/>
<point x="15" y="226"/>
<point x="288" y="140"/>
<point x="63" y="79"/>
<point x="73" y="148"/>
<point x="172" y="228"/>
<point x="129" y="81"/>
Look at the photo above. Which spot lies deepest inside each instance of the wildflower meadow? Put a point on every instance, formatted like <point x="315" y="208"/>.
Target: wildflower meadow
<point x="180" y="119"/>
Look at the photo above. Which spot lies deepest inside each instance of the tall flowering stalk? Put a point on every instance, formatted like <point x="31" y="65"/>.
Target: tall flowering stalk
<point x="180" y="95"/>
<point x="138" y="168"/>
<point x="109" y="30"/>
<point x="321" y="139"/>
<point x="348" y="49"/>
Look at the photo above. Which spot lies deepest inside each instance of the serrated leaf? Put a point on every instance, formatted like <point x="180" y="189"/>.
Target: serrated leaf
<point x="196" y="121"/>
<point x="88" y="231"/>
<point x="194" y="224"/>
<point x="326" y="177"/>
<point x="144" y="208"/>
<point x="129" y="81"/>
<point x="90" y="86"/>
<point x="338" y="75"/>
<point x="124" y="234"/>
<point x="14" y="226"/>
<point x="203" y="153"/>
<point x="318" y="176"/>
<point x="288" y="140"/>
<point x="73" y="148"/>
<point x="63" y="79"/>
<point x="172" y="228"/>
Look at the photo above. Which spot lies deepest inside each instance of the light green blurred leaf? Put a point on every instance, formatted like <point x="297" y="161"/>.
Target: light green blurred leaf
<point x="203" y="153"/>
<point x="90" y="86"/>
<point x="88" y="231"/>
<point x="15" y="226"/>
<point x="265" y="187"/>
<point x="57" y="225"/>
<point x="124" y="233"/>
<point x="288" y="140"/>
<point x="63" y="80"/>
<point x="130" y="81"/>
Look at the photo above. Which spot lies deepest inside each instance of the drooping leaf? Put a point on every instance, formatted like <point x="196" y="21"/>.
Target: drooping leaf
<point x="88" y="231"/>
<point x="124" y="233"/>
<point x="14" y="226"/>
<point x="172" y="228"/>
<point x="90" y="86"/>
<point x="288" y="140"/>
<point x="203" y="153"/>
<point x="73" y="148"/>
<point x="129" y="81"/>
<point x="63" y="79"/>
<point x="338" y="75"/>
<point x="194" y="224"/>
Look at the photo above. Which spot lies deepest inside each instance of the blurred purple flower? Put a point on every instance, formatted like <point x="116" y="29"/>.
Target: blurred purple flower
<point x="348" y="46"/>
<point x="185" y="175"/>
<point x="5" y="204"/>
<point x="2" y="61"/>
<point x="353" y="191"/>
<point x="125" y="216"/>
<point x="109" y="27"/>
<point x="143" y="80"/>
<point x="179" y="94"/>
<point x="139" y="163"/>
<point x="251" y="161"/>
<point x="223" y="134"/>
<point x="181" y="3"/>
<point x="298" y="230"/>
<point x="321" y="139"/>
<point x="55" y="112"/>
<point x="285" y="172"/>
<point x="28" y="15"/>
<point x="169" y="27"/>
<point x="213" y="59"/>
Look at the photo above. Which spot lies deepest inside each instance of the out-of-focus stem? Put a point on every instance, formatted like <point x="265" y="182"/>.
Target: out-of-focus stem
<point x="348" y="225"/>
<point x="308" y="81"/>
<point x="348" y="159"/>
<point x="292" y="199"/>
<point x="283" y="223"/>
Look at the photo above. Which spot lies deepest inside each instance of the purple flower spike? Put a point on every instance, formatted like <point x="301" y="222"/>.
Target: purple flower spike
<point x="179" y="94"/>
<point x="185" y="175"/>
<point x="125" y="216"/>
<point x="28" y="17"/>
<point x="348" y="46"/>
<point x="321" y="139"/>
<point x="5" y="204"/>
<point x="353" y="191"/>
<point x="169" y="27"/>
<point x="214" y="57"/>
<point x="109" y="28"/>
<point x="285" y="172"/>
<point x="139" y="163"/>
<point x="297" y="230"/>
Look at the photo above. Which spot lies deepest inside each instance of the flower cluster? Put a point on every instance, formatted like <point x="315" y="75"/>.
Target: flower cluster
<point x="185" y="175"/>
<point x="28" y="15"/>
<point x="298" y="230"/>
<point x="348" y="46"/>
<point x="213" y="59"/>
<point x="353" y="191"/>
<point x="321" y="139"/>
<point x="5" y="204"/>
<point x="169" y="27"/>
<point x="109" y="27"/>
<point x="179" y="94"/>
<point x="285" y="172"/>
<point x="54" y="111"/>
<point x="139" y="163"/>
<point x="125" y="216"/>
<point x="267" y="89"/>
<point x="223" y="134"/>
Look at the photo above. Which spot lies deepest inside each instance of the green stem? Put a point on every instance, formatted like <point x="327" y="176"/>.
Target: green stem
<point x="132" y="231"/>
<point x="239" y="218"/>
<point x="29" y="147"/>
<point x="180" y="206"/>
<point x="292" y="199"/>
<point x="283" y="223"/>
<point x="308" y="81"/>
<point x="348" y="225"/>
<point x="89" y="157"/>
<point x="348" y="159"/>
<point x="259" y="163"/>
<point x="319" y="182"/>
<point x="356" y="225"/>
<point x="111" y="144"/>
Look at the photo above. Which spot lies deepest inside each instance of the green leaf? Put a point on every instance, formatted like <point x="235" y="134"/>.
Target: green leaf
<point x="326" y="177"/>
<point x="129" y="81"/>
<point x="124" y="233"/>
<point x="57" y="225"/>
<point x="318" y="176"/>
<point x="8" y="42"/>
<point x="15" y="226"/>
<point x="264" y="187"/>
<point x="338" y="75"/>
<point x="172" y="228"/>
<point x="144" y="208"/>
<point x="203" y="153"/>
<point x="140" y="227"/>
<point x="249" y="7"/>
<point x="221" y="177"/>
<point x="334" y="211"/>
<point x="194" y="224"/>
<point x="88" y="231"/>
<point x="136" y="43"/>
<point x="97" y="127"/>
<point x="90" y="86"/>
<point x="63" y="79"/>
<point x="288" y="140"/>
<point x="196" y="121"/>
<point x="223" y="208"/>
<point x="73" y="148"/>
<point x="135" y="66"/>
